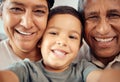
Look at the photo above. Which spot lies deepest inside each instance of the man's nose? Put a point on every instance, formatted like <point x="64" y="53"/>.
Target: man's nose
<point x="103" y="27"/>
<point x="27" y="20"/>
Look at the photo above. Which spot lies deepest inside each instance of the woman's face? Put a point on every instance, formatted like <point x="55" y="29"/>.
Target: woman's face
<point x="24" y="23"/>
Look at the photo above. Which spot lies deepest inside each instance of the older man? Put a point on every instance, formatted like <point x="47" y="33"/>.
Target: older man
<point x="102" y="31"/>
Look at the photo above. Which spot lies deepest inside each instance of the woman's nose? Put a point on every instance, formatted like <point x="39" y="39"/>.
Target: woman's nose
<point x="27" y="20"/>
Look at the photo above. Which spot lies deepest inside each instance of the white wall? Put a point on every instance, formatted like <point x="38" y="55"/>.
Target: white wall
<point x="1" y="27"/>
<point x="72" y="3"/>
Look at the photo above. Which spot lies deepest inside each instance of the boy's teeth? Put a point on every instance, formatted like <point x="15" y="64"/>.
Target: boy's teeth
<point x="104" y="40"/>
<point x="59" y="52"/>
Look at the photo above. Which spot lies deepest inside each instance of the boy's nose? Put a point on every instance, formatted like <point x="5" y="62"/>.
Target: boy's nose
<point x="61" y="41"/>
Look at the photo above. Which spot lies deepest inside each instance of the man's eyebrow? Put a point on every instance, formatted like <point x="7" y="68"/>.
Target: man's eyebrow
<point x="92" y="13"/>
<point x="114" y="11"/>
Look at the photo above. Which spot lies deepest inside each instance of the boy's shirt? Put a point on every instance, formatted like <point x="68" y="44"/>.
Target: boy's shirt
<point x="35" y="72"/>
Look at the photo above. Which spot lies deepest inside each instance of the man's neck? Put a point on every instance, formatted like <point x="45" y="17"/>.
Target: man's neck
<point x="106" y="61"/>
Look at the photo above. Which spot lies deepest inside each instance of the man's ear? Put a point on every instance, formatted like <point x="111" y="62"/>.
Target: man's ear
<point x="39" y="45"/>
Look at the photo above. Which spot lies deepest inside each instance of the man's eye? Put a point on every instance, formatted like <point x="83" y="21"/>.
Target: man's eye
<point x="92" y="18"/>
<point x="114" y="16"/>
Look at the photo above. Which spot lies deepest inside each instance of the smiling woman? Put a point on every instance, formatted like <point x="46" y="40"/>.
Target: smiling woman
<point x="24" y="25"/>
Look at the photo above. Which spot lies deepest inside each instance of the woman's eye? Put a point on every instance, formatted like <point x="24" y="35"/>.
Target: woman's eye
<point x="16" y="10"/>
<point x="39" y="12"/>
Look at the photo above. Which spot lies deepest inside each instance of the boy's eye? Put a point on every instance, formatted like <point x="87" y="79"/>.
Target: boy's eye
<point x="53" y="33"/>
<point x="72" y="37"/>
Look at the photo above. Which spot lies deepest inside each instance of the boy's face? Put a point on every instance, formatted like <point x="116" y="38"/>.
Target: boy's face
<point x="61" y="42"/>
<point x="102" y="27"/>
<point x="24" y="22"/>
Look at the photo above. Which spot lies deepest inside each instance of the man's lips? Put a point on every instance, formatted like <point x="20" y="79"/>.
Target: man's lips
<point x="104" y="39"/>
<point x="104" y="42"/>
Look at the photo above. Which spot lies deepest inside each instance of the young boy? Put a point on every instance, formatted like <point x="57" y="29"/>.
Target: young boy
<point x="59" y="47"/>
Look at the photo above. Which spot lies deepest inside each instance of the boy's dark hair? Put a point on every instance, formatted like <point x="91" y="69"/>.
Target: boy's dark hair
<point x="65" y="10"/>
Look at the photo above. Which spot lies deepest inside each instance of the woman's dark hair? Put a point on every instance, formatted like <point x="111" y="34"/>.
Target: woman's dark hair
<point x="65" y="10"/>
<point x="49" y="2"/>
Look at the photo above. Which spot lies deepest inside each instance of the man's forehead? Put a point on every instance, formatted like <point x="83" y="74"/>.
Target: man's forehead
<point x="109" y="4"/>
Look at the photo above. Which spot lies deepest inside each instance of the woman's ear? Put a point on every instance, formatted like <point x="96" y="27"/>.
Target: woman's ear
<point x="1" y="8"/>
<point x="0" y="12"/>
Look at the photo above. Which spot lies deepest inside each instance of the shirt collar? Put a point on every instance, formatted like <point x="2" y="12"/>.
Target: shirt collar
<point x="101" y="65"/>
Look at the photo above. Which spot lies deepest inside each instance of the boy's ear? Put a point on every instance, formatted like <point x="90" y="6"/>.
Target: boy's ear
<point x="39" y="43"/>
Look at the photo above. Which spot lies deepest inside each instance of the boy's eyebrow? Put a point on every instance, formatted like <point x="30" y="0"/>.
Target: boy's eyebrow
<point x="76" y="32"/>
<point x="53" y="27"/>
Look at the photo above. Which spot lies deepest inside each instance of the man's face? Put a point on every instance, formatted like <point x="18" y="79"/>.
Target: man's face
<point x="24" y="22"/>
<point x="102" y="26"/>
